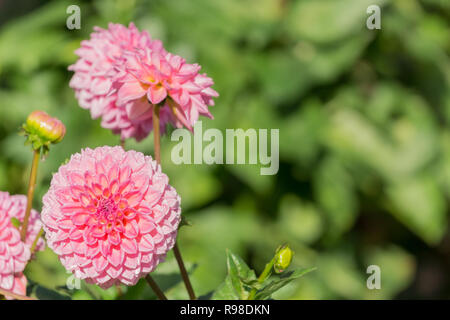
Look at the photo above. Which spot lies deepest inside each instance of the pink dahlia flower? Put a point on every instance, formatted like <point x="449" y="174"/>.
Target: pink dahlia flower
<point x="110" y="215"/>
<point x="14" y="254"/>
<point x="121" y="73"/>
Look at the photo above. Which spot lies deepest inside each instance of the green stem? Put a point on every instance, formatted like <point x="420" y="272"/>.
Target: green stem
<point x="262" y="277"/>
<point x="156" y="289"/>
<point x="119" y="290"/>
<point x="178" y="257"/>
<point x="156" y="134"/>
<point x="31" y="187"/>
<point x="33" y="246"/>
<point x="183" y="272"/>
<point x="14" y="295"/>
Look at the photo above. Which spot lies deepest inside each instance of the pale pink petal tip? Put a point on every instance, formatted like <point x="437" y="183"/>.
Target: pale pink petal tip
<point x="110" y="215"/>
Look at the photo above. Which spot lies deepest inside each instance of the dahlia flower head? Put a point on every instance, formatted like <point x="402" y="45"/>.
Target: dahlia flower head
<point x="122" y="73"/>
<point x="110" y="215"/>
<point x="14" y="253"/>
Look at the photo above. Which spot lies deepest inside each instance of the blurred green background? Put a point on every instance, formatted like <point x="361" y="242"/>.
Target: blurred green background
<point x="364" y="136"/>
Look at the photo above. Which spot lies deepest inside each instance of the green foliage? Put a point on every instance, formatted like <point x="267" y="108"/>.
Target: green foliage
<point x="364" y="120"/>
<point x="236" y="285"/>
<point x="279" y="282"/>
<point x="241" y="280"/>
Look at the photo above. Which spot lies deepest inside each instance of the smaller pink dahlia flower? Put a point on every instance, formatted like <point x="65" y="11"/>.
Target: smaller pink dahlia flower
<point x="94" y="73"/>
<point x="14" y="254"/>
<point x="110" y="215"/>
<point x="151" y="78"/>
<point x="122" y="73"/>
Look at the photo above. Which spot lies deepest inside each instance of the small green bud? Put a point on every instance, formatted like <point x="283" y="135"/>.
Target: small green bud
<point x="42" y="130"/>
<point x="283" y="259"/>
<point x="46" y="127"/>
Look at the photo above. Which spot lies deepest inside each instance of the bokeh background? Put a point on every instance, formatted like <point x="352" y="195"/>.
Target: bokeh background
<point x="364" y="136"/>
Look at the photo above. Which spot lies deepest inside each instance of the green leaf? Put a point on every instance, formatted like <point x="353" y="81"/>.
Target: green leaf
<point x="280" y="282"/>
<point x="334" y="189"/>
<point x="43" y="293"/>
<point x="15" y="222"/>
<point x="419" y="204"/>
<point x="238" y="271"/>
<point x="236" y="283"/>
<point x="225" y="291"/>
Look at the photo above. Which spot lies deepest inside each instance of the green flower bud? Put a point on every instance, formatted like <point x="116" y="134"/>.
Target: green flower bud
<point x="283" y="259"/>
<point x="47" y="128"/>
<point x="41" y="131"/>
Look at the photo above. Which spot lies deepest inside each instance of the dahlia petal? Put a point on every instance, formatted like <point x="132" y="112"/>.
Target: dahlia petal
<point x="75" y="234"/>
<point x="156" y="94"/>
<point x="130" y="91"/>
<point x="137" y="109"/>
<point x="113" y="272"/>
<point x="134" y="198"/>
<point x="146" y="244"/>
<point x="132" y="262"/>
<point x="78" y="247"/>
<point x="115" y="257"/>
<point x="7" y="282"/>
<point x="80" y="218"/>
<point x="131" y="230"/>
<point x="114" y="238"/>
<point x="129" y="246"/>
<point x="125" y="174"/>
<point x="100" y="263"/>
<point x="92" y="251"/>
<point x="145" y="225"/>
<point x="105" y="248"/>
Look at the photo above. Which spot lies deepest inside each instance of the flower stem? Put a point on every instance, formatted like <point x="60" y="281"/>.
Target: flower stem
<point x="119" y="290"/>
<point x="31" y="187"/>
<point x="156" y="134"/>
<point x="157" y="143"/>
<point x="183" y="272"/>
<point x="15" y="295"/>
<point x="155" y="288"/>
<point x="39" y="235"/>
<point x="262" y="277"/>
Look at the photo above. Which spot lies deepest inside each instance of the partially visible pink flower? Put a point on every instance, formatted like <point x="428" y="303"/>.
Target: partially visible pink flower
<point x="94" y="73"/>
<point x="19" y="285"/>
<point x="110" y="215"/>
<point x="122" y="72"/>
<point x="165" y="79"/>
<point x="14" y="254"/>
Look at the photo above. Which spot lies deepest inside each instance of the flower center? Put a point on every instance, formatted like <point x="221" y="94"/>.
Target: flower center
<point x="107" y="209"/>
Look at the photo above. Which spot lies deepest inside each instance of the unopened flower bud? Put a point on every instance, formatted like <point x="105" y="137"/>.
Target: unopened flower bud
<point x="283" y="259"/>
<point x="45" y="127"/>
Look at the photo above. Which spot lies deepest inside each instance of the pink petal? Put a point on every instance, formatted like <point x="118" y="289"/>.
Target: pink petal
<point x="156" y="94"/>
<point x="130" y="91"/>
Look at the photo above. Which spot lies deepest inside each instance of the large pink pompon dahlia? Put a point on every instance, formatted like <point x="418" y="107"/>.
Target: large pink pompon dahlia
<point x="122" y="73"/>
<point x="111" y="215"/>
<point x="14" y="254"/>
